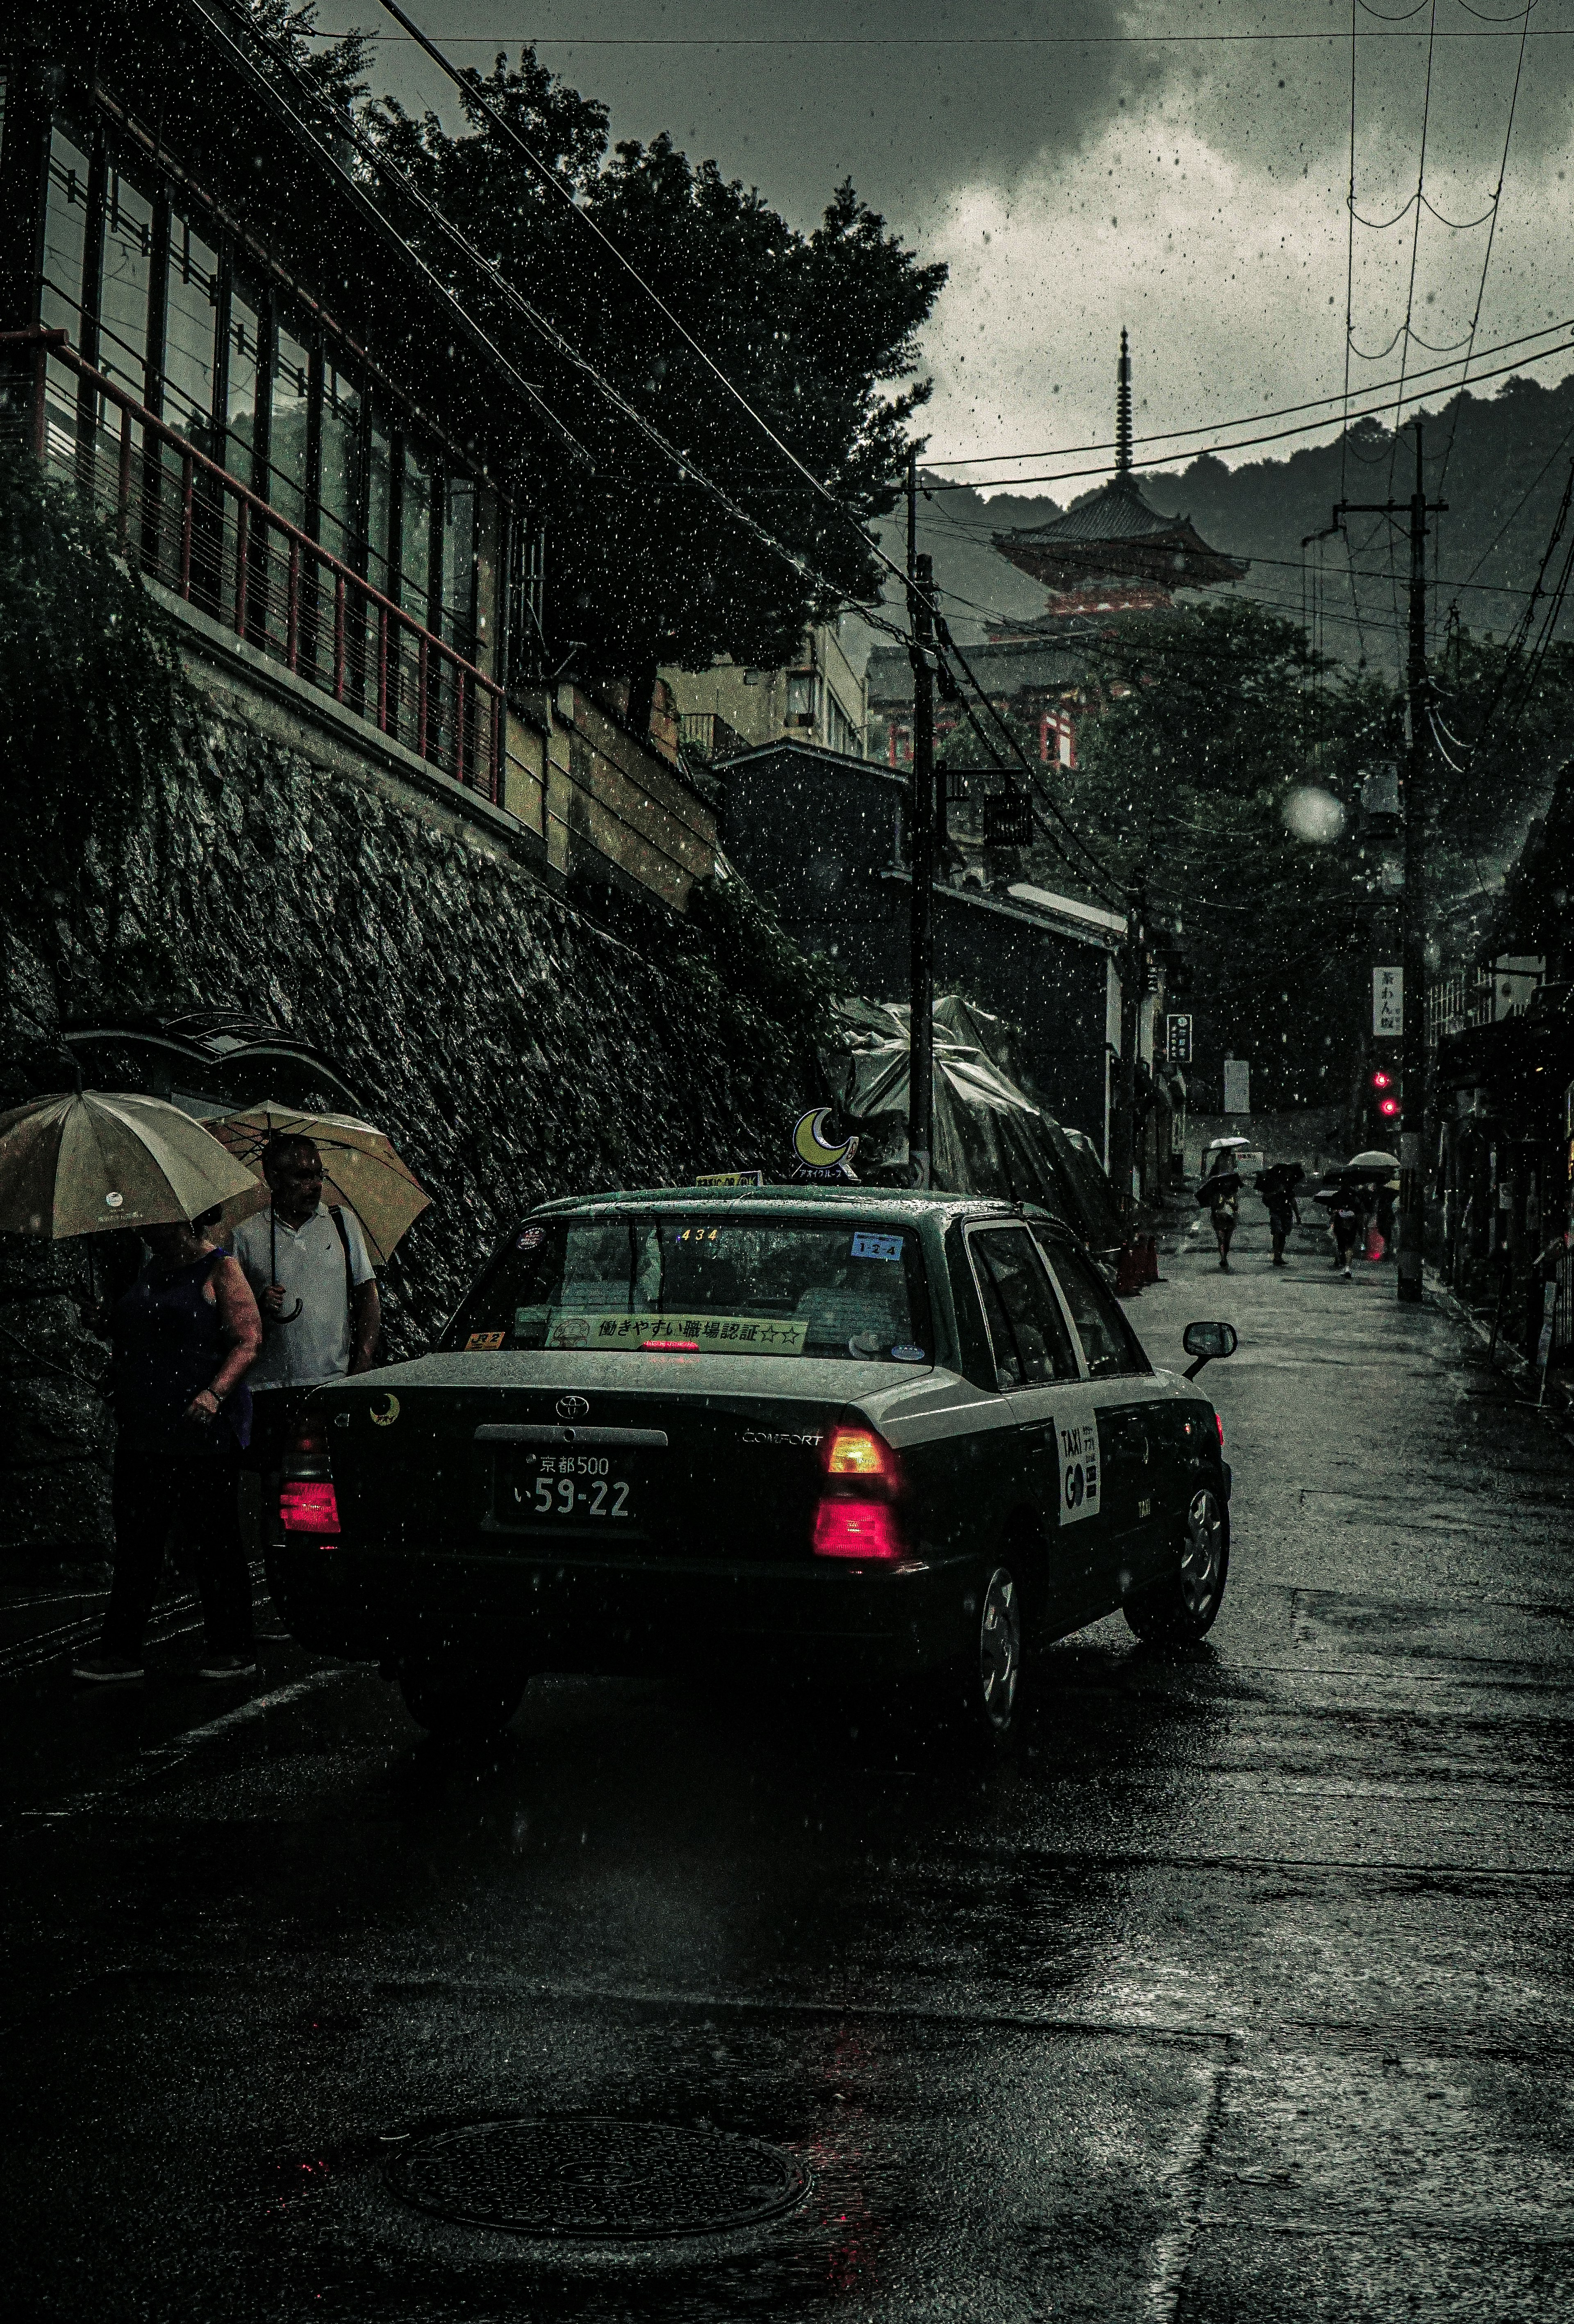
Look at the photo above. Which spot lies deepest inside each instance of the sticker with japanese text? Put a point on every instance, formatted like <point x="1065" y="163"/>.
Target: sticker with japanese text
<point x="1079" y="1470"/>
<point x="877" y="1246"/>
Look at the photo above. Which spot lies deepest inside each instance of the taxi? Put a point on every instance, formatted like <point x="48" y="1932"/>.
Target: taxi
<point x="835" y="1430"/>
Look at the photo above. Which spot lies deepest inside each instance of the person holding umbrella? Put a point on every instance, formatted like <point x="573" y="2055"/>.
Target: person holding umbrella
<point x="1277" y="1186"/>
<point x="314" y="1286"/>
<point x="183" y="1336"/>
<point x="1221" y="1191"/>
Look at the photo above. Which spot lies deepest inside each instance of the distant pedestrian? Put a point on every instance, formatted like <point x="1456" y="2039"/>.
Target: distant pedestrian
<point x="1221" y="1193"/>
<point x="314" y="1286"/>
<point x="1277" y="1187"/>
<point x="1345" y="1226"/>
<point x="183" y="1337"/>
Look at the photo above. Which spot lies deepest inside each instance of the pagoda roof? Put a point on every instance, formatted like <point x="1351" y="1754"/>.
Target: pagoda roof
<point x="1117" y="533"/>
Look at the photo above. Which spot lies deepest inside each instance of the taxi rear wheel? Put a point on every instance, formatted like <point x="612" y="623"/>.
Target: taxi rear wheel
<point x="1181" y="1608"/>
<point x="457" y="1701"/>
<point x="986" y="1687"/>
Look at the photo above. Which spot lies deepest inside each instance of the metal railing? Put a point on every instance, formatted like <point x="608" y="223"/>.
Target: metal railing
<point x="707" y="732"/>
<point x="1455" y="1003"/>
<point x="181" y="518"/>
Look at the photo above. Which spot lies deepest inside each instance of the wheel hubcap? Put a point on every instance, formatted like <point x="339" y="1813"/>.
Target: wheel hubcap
<point x="999" y="1649"/>
<point x="1202" y="1556"/>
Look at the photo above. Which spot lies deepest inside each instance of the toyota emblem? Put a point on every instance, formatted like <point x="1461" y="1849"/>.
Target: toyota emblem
<point x="571" y="1407"/>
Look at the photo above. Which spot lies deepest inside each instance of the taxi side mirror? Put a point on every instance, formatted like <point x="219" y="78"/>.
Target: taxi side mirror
<point x="1205" y="1341"/>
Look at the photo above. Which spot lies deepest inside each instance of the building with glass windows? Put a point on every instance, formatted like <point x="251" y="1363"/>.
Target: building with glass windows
<point x="309" y="448"/>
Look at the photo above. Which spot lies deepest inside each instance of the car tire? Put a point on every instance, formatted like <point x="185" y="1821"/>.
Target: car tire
<point x="459" y="1701"/>
<point x="1182" y="1608"/>
<point x="986" y="1689"/>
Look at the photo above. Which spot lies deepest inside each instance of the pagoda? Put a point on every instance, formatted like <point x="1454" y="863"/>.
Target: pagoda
<point x="1114" y="552"/>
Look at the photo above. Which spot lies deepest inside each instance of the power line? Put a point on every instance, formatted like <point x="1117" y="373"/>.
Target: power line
<point x="1273" y="436"/>
<point x="930" y="39"/>
<point x="1491" y="238"/>
<point x="1247" y="420"/>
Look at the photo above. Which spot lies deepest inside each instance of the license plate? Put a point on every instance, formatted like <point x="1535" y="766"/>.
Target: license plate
<point x="562" y="1489"/>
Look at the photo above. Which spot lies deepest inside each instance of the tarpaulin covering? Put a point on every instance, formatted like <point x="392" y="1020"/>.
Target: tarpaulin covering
<point x="989" y="1137"/>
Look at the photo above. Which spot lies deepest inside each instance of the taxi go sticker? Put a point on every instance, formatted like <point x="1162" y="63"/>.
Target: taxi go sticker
<point x="1078" y="1470"/>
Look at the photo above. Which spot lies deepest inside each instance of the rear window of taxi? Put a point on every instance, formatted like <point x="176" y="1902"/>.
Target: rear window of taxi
<point x="752" y="1286"/>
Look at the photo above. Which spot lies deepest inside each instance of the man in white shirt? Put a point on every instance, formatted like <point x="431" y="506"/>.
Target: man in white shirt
<point x="314" y="1288"/>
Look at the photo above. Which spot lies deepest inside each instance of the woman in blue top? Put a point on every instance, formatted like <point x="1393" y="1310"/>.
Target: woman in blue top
<point x="184" y="1336"/>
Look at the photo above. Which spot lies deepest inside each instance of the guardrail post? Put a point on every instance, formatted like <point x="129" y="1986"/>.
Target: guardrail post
<point x="338" y="637"/>
<point x="459" y="692"/>
<point x="243" y="560"/>
<point x="382" y="669"/>
<point x="187" y="478"/>
<point x="122" y="482"/>
<point x="497" y="739"/>
<point x="292" y="607"/>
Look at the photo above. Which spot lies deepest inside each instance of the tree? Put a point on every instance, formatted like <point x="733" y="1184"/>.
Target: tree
<point x="814" y="329"/>
<point x="1213" y="722"/>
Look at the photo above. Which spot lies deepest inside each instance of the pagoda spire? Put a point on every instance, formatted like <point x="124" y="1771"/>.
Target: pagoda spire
<point x="1123" y="410"/>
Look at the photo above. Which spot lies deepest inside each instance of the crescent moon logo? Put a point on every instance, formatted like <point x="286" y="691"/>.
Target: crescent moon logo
<point x="811" y="1144"/>
<point x="385" y="1412"/>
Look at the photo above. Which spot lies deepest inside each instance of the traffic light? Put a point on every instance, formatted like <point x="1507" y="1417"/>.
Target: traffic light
<point x="1385" y="1101"/>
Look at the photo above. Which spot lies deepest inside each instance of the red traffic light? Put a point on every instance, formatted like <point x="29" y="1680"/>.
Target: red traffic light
<point x="1382" y="1081"/>
<point x="1388" y="1107"/>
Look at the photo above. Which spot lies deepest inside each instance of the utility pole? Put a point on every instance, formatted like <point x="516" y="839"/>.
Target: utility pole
<point x="1133" y="965"/>
<point x="1413" y="901"/>
<point x="921" y="1020"/>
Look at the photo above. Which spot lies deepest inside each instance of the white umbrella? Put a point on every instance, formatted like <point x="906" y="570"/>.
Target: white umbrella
<point x="1372" y="1159"/>
<point x="83" y="1164"/>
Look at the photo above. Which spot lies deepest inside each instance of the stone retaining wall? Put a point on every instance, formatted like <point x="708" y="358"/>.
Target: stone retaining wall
<point x="513" y="1050"/>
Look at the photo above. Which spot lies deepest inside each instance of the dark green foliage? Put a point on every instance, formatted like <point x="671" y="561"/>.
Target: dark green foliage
<point x="646" y="568"/>
<point x="90" y="684"/>
<point x="1211" y="719"/>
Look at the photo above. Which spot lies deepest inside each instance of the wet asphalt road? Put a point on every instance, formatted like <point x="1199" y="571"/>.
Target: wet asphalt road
<point x="1243" y="1992"/>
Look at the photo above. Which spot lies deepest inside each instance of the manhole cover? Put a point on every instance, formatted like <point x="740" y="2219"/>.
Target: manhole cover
<point x="595" y="2178"/>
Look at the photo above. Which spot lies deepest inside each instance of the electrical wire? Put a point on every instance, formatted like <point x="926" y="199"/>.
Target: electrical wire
<point x="1491" y="238"/>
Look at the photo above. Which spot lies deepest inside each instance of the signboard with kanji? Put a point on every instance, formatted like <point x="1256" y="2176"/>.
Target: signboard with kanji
<point x="1178" y="1041"/>
<point x="1388" y="1002"/>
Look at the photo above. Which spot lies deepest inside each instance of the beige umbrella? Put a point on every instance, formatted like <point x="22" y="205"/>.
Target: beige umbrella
<point x="76" y="1165"/>
<point x="361" y="1170"/>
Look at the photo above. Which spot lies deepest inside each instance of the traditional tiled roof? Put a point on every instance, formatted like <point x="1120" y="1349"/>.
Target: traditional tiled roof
<point x="1118" y="533"/>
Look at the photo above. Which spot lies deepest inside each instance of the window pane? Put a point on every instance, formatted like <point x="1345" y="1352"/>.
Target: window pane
<point x="244" y="359"/>
<point x="415" y="537"/>
<point x="338" y="491"/>
<point x="1043" y="1346"/>
<point x="744" y="1286"/>
<point x="122" y="298"/>
<point x="1108" y="1341"/>
<point x="458" y="565"/>
<point x="188" y="333"/>
<point x="378" y="507"/>
<point x="65" y="238"/>
<point x="287" y="439"/>
<point x="1007" y="1362"/>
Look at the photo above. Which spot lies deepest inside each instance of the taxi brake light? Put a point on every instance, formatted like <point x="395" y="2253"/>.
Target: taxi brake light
<point x="684" y="1346"/>
<point x="308" y="1506"/>
<point x="858" y="1529"/>
<point x="1219" y="1423"/>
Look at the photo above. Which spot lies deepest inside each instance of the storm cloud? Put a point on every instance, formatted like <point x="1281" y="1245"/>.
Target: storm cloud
<point x="1079" y="172"/>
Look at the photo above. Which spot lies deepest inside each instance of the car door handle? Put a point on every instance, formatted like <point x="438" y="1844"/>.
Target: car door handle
<point x="1037" y="1433"/>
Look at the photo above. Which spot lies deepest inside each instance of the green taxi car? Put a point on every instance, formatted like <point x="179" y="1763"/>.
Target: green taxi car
<point x="828" y="1429"/>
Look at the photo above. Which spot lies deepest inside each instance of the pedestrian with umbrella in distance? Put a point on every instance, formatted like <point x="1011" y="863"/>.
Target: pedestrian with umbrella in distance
<point x="183" y="1337"/>
<point x="1220" y="1194"/>
<point x="1276" y="1185"/>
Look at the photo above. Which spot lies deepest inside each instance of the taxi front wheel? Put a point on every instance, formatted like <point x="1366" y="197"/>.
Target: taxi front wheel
<point x="459" y="1700"/>
<point x="1180" y="1609"/>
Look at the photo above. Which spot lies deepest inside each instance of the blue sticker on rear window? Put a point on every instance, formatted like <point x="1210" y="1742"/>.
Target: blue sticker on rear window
<point x="877" y="1246"/>
<point x="907" y="1354"/>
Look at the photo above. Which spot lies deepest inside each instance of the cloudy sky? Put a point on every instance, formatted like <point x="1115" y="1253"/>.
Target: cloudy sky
<point x="1078" y="169"/>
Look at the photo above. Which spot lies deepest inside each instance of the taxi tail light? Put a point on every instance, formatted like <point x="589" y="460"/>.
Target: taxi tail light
<point x="309" y="1505"/>
<point x="1219" y="1423"/>
<point x="857" y="1517"/>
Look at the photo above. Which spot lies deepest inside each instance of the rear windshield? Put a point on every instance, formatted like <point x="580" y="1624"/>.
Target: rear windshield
<point x="759" y="1287"/>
